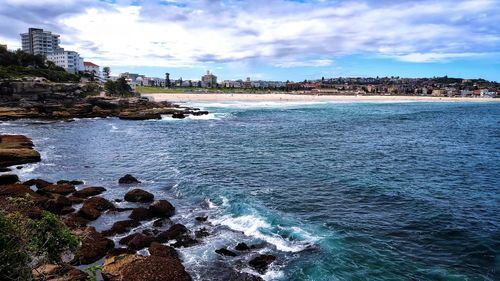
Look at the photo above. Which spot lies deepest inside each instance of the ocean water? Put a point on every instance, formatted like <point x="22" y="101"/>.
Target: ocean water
<point x="337" y="191"/>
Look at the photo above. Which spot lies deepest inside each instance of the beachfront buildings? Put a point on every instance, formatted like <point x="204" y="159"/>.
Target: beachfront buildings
<point x="69" y="60"/>
<point x="92" y="68"/>
<point x="39" y="42"/>
<point x="209" y="79"/>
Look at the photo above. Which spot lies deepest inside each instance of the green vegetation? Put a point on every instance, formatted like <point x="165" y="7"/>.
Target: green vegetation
<point x="20" y="64"/>
<point x="93" y="272"/>
<point x="22" y="239"/>
<point x="118" y="88"/>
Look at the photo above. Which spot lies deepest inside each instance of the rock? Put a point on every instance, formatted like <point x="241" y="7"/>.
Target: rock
<point x="17" y="150"/>
<point x="161" y="222"/>
<point x="151" y="268"/>
<point x="128" y="179"/>
<point x="63" y="189"/>
<point x="121" y="227"/>
<point x="139" y="115"/>
<point x="8" y="179"/>
<point x="162" y="208"/>
<point x="57" y="204"/>
<point x="76" y="182"/>
<point x="94" y="246"/>
<point x="242" y="276"/>
<point x="201" y="233"/>
<point x="140" y="241"/>
<point x="139" y="195"/>
<point x="19" y="190"/>
<point x="225" y="252"/>
<point x="89" y="191"/>
<point x="3" y="169"/>
<point x="119" y="251"/>
<point x="39" y="183"/>
<point x="93" y="207"/>
<point x="201" y="219"/>
<point x="62" y="272"/>
<point x="74" y="221"/>
<point x="242" y="247"/>
<point x="261" y="262"/>
<point x="184" y="241"/>
<point x="76" y="200"/>
<point x="141" y="214"/>
<point x="178" y="115"/>
<point x="67" y="210"/>
<point x="157" y="249"/>
<point x="174" y="232"/>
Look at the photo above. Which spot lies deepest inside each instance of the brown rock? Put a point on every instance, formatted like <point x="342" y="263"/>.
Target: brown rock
<point x="8" y="179"/>
<point x="89" y="191"/>
<point x="16" y="150"/>
<point x="119" y="251"/>
<point x="174" y="232"/>
<point x="151" y="268"/>
<point x="140" y="241"/>
<point x="121" y="227"/>
<point x="162" y="208"/>
<point x="141" y="214"/>
<point x="94" y="246"/>
<point x="139" y="195"/>
<point x="38" y="182"/>
<point x="63" y="189"/>
<point x="157" y="249"/>
<point x="93" y="207"/>
<point x="19" y="190"/>
<point x="128" y="179"/>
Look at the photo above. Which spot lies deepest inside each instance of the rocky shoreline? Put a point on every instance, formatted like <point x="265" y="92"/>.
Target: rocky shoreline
<point x="145" y="254"/>
<point x="39" y="99"/>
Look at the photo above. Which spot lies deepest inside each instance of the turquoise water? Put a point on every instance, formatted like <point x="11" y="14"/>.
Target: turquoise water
<point x="345" y="191"/>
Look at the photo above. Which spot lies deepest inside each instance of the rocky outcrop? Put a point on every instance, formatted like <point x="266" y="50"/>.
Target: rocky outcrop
<point x="63" y="189"/>
<point x="8" y="179"/>
<point x="121" y="227"/>
<point x="17" y="150"/>
<point x="89" y="191"/>
<point x="139" y="195"/>
<point x="151" y="268"/>
<point x="157" y="249"/>
<point x="93" y="207"/>
<point x="261" y="262"/>
<point x="226" y="252"/>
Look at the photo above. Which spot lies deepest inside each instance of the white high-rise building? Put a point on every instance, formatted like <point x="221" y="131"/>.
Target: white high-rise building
<point x="39" y="42"/>
<point x="69" y="60"/>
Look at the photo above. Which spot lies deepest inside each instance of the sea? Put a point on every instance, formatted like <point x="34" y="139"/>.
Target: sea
<point x="336" y="191"/>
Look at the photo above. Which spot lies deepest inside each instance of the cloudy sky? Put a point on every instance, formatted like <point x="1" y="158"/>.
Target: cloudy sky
<point x="271" y="39"/>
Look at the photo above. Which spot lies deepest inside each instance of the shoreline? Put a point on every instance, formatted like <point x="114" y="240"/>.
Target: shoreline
<point x="237" y="97"/>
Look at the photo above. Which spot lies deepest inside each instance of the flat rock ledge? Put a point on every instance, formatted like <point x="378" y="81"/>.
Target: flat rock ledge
<point x="17" y="150"/>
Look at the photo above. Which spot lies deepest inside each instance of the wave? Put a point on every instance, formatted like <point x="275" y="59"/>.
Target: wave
<point x="257" y="227"/>
<point x="210" y="116"/>
<point x="256" y="104"/>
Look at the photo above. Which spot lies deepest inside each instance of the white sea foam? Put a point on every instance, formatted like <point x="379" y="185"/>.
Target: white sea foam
<point x="210" y="204"/>
<point x="210" y="116"/>
<point x="255" y="105"/>
<point x="253" y="226"/>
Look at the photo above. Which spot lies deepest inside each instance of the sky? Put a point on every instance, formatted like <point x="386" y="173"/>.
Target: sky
<point x="271" y="39"/>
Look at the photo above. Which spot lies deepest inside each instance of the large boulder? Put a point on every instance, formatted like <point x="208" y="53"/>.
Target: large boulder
<point x="140" y="241"/>
<point x="39" y="183"/>
<point x="174" y="232"/>
<point x="94" y="246"/>
<point x="139" y="195"/>
<point x="128" y="179"/>
<point x="93" y="207"/>
<point x="8" y="179"/>
<point x="89" y="191"/>
<point x="157" y="249"/>
<point x="151" y="268"/>
<point x="261" y="262"/>
<point x="162" y="208"/>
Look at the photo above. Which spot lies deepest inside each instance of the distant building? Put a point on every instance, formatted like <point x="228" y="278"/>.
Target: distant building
<point x="39" y="42"/>
<point x="209" y="79"/>
<point x="69" y="60"/>
<point x="92" y="68"/>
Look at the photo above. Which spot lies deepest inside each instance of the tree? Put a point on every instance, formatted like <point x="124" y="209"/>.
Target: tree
<point x="167" y="80"/>
<point x="106" y="70"/>
<point x="180" y="82"/>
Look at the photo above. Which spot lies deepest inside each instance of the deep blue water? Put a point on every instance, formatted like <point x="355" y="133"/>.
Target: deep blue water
<point x="346" y="191"/>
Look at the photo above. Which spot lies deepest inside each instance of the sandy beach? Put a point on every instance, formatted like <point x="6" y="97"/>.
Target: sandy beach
<point x="218" y="97"/>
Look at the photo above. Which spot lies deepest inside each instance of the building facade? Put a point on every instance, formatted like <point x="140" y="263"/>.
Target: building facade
<point x="69" y="60"/>
<point x="92" y="68"/>
<point x="209" y="79"/>
<point x="39" y="42"/>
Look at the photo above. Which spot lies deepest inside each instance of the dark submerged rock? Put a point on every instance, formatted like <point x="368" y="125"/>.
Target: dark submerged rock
<point x="242" y="247"/>
<point x="128" y="179"/>
<point x="225" y="252"/>
<point x="162" y="208"/>
<point x="261" y="263"/>
<point x="8" y="179"/>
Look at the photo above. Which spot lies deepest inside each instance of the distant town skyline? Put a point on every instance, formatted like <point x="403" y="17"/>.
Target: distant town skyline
<point x="271" y="40"/>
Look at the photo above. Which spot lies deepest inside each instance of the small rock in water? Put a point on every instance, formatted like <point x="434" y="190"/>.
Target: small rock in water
<point x="201" y="219"/>
<point x="201" y="233"/>
<point x="139" y="195"/>
<point x="19" y="167"/>
<point x="128" y="179"/>
<point x="262" y="262"/>
<point x="242" y="247"/>
<point x="225" y="252"/>
<point x="162" y="208"/>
